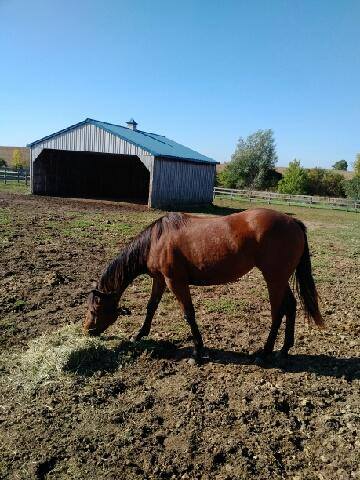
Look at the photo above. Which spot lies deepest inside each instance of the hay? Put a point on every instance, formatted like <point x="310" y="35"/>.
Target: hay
<point x="60" y="356"/>
<point x="52" y="357"/>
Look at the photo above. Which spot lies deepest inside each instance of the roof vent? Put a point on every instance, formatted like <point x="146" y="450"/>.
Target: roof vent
<point x="131" y="124"/>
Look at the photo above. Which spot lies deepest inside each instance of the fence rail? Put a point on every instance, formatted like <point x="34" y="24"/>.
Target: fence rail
<point x="19" y="176"/>
<point x="273" y="197"/>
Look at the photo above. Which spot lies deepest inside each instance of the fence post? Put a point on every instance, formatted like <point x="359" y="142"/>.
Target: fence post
<point x="18" y="176"/>
<point x="5" y="175"/>
<point x="26" y="180"/>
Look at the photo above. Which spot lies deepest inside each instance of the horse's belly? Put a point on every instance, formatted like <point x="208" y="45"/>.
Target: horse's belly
<point x="219" y="273"/>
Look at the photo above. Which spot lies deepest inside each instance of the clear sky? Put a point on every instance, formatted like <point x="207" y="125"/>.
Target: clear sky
<point x="202" y="72"/>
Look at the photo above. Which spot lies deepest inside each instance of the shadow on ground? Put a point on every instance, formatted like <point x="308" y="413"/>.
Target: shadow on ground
<point x="126" y="352"/>
<point x="322" y="365"/>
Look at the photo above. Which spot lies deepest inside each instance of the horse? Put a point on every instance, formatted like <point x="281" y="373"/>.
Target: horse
<point x="180" y="249"/>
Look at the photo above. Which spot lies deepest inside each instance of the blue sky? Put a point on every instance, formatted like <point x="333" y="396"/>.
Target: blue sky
<point x="202" y="72"/>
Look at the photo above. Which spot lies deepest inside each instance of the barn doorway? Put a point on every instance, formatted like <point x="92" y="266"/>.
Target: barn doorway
<point x="89" y="174"/>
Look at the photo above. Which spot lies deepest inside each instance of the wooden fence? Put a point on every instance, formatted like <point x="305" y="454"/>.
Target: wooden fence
<point x="303" y="200"/>
<point x="10" y="176"/>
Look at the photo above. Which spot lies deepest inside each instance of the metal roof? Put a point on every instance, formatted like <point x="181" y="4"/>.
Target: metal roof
<point x="155" y="144"/>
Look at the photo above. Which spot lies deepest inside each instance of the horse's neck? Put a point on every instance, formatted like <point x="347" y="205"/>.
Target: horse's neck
<point x="121" y="272"/>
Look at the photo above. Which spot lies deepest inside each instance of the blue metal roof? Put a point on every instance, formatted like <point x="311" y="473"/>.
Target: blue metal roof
<point x="157" y="145"/>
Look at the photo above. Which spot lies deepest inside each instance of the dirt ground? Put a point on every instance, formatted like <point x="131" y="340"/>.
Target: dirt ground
<point x="159" y="416"/>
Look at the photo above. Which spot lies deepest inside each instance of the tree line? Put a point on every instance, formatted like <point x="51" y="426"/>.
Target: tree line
<point x="17" y="160"/>
<point x="253" y="163"/>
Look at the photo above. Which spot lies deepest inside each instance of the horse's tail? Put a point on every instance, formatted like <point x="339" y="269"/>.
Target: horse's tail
<point x="305" y="284"/>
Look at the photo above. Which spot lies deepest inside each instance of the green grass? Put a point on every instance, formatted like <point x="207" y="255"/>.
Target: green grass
<point x="100" y="225"/>
<point x="224" y="305"/>
<point x="14" y="187"/>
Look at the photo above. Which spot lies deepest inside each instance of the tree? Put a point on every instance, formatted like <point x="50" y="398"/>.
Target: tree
<point x="2" y="163"/>
<point x="17" y="159"/>
<point x="253" y="162"/>
<point x="357" y="165"/>
<point x="325" y="183"/>
<point x="340" y="165"/>
<point x="315" y="184"/>
<point x="352" y="188"/>
<point x="334" y="184"/>
<point x="295" y="179"/>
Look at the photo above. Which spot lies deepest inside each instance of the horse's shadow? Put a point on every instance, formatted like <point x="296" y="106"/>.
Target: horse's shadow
<point x="109" y="359"/>
<point x="321" y="365"/>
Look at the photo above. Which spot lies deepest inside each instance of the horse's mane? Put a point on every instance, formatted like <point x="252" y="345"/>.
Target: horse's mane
<point x="132" y="260"/>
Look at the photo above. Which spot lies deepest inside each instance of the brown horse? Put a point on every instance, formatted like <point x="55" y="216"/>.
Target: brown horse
<point x="179" y="250"/>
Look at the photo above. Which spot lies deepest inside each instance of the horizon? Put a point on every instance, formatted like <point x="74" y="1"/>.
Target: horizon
<point x="201" y="74"/>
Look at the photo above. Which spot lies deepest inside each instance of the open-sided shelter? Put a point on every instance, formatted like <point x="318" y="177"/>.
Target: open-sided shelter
<point x="99" y="159"/>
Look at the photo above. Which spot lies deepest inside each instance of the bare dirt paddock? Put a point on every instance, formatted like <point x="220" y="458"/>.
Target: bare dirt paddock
<point x="74" y="408"/>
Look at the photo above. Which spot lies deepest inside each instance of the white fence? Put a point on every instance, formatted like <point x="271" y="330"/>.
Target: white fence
<point x="10" y="176"/>
<point x="273" y="197"/>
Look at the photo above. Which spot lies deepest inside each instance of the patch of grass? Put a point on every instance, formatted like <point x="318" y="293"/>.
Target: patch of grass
<point x="14" y="187"/>
<point x="7" y="229"/>
<point x="224" y="305"/>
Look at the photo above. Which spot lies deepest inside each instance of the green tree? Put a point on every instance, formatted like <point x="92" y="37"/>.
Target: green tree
<point x="295" y="179"/>
<point x="17" y="159"/>
<point x="253" y="162"/>
<point x="352" y="188"/>
<point x="357" y="165"/>
<point x="340" y="165"/>
<point x="325" y="183"/>
<point x="315" y="184"/>
<point x="334" y="184"/>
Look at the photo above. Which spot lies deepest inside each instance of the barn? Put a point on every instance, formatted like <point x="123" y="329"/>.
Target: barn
<point x="100" y="159"/>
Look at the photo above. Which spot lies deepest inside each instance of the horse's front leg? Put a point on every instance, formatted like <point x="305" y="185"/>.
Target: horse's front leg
<point x="158" y="288"/>
<point x="182" y="293"/>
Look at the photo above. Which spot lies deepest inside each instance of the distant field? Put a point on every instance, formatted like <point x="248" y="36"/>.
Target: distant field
<point x="74" y="408"/>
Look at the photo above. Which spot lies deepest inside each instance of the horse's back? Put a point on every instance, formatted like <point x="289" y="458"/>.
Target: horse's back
<point x="209" y="249"/>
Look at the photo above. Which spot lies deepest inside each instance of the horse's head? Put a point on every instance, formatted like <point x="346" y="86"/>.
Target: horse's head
<point x="102" y="311"/>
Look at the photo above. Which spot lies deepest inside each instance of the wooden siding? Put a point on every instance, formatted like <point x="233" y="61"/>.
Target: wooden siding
<point x="176" y="182"/>
<point x="89" y="138"/>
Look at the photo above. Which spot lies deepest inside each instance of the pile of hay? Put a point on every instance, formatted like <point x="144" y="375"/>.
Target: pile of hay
<point x="50" y="357"/>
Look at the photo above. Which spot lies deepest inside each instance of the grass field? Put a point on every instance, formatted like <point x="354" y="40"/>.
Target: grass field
<point x="73" y="407"/>
<point x="14" y="187"/>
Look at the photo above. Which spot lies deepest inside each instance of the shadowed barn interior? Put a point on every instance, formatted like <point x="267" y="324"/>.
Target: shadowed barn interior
<point x="89" y="174"/>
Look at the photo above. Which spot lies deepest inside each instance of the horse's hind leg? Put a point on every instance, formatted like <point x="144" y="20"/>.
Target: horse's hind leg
<point x="157" y="291"/>
<point x="277" y="295"/>
<point x="290" y="311"/>
<point x="182" y="293"/>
